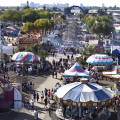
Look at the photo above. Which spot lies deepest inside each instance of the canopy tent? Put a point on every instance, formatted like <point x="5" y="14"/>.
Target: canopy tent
<point x="25" y="57"/>
<point x="111" y="74"/>
<point x="56" y="32"/>
<point x="51" y="36"/>
<point x="76" y="70"/>
<point x="84" y="92"/>
<point x="116" y="51"/>
<point x="100" y="59"/>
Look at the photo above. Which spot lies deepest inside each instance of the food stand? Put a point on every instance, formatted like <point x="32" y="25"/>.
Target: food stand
<point x="115" y="74"/>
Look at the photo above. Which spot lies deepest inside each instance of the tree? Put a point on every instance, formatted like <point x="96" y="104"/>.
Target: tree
<point x="30" y="15"/>
<point x="28" y="27"/>
<point x="102" y="28"/>
<point x="11" y="15"/>
<point x="43" y="54"/>
<point x="20" y="48"/>
<point x="65" y="10"/>
<point x="81" y="15"/>
<point x="27" y="6"/>
<point x="44" y="7"/>
<point x="101" y="12"/>
<point x="43" y="24"/>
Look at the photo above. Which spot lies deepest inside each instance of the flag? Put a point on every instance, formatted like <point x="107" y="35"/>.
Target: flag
<point x="13" y="78"/>
<point x="90" y="16"/>
<point x="27" y="35"/>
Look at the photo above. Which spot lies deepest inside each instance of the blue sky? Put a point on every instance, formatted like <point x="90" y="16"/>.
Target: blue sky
<point x="71" y="2"/>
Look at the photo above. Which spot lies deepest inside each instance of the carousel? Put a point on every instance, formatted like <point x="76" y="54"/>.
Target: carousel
<point x="83" y="99"/>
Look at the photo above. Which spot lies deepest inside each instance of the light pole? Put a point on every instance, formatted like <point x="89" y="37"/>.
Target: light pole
<point x="112" y="43"/>
<point x="0" y="41"/>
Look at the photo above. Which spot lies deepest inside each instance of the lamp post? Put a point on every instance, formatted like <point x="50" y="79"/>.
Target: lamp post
<point x="112" y="43"/>
<point x="0" y="42"/>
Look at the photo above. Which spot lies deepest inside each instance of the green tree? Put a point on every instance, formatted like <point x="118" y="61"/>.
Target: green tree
<point x="43" y="24"/>
<point x="43" y="54"/>
<point x="65" y="10"/>
<point x="30" y="15"/>
<point x="101" y="12"/>
<point x="28" y="27"/>
<point x="102" y="28"/>
<point x="81" y="15"/>
<point x="20" y="48"/>
<point x="27" y="6"/>
<point x="44" y="7"/>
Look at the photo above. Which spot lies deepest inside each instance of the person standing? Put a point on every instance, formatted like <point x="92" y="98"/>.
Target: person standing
<point x="34" y="95"/>
<point x="55" y="54"/>
<point x="28" y="105"/>
<point x="48" y="92"/>
<point x="48" y="100"/>
<point x="42" y="96"/>
<point x="45" y="100"/>
<point x="37" y="97"/>
<point x="32" y="103"/>
<point x="45" y="92"/>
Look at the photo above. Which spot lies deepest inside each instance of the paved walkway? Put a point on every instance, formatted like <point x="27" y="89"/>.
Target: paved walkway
<point x="49" y="84"/>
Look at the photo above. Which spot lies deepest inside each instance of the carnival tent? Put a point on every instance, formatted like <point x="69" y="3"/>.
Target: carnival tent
<point x="84" y="92"/>
<point x="116" y="51"/>
<point x="25" y="57"/>
<point x="100" y="59"/>
<point x="76" y="70"/>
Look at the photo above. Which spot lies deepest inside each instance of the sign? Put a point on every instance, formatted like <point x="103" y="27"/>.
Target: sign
<point x="99" y="49"/>
<point x="93" y="42"/>
<point x="28" y="41"/>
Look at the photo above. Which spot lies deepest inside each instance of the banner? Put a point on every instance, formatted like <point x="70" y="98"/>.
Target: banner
<point x="13" y="78"/>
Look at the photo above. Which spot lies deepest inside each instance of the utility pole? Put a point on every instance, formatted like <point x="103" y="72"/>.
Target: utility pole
<point x="0" y="41"/>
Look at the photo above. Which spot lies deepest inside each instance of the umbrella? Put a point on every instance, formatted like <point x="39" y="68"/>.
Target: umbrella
<point x="100" y="59"/>
<point x="25" y="57"/>
<point x="80" y="92"/>
<point x="76" y="70"/>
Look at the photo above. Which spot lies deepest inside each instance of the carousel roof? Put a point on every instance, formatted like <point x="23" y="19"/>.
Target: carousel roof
<point x="80" y="92"/>
<point x="76" y="70"/>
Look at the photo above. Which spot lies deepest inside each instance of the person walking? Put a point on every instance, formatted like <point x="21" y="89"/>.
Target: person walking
<point x="56" y="74"/>
<point x="45" y="92"/>
<point x="42" y="96"/>
<point x="37" y="97"/>
<point x="28" y="104"/>
<point x="48" y="100"/>
<point x="53" y="73"/>
<point x="35" y="114"/>
<point x="52" y="94"/>
<point x="34" y="95"/>
<point x="32" y="103"/>
<point x="55" y="54"/>
<point x="45" y="100"/>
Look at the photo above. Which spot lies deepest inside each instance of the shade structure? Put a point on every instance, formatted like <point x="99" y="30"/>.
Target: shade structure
<point x="100" y="59"/>
<point x="80" y="92"/>
<point x="116" y="51"/>
<point x="76" y="70"/>
<point x="25" y="57"/>
<point x="111" y="74"/>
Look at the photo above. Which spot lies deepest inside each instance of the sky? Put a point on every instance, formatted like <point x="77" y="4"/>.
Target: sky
<point x="107" y="3"/>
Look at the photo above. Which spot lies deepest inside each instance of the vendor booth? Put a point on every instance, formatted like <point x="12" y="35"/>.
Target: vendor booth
<point x="83" y="99"/>
<point x="115" y="74"/>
